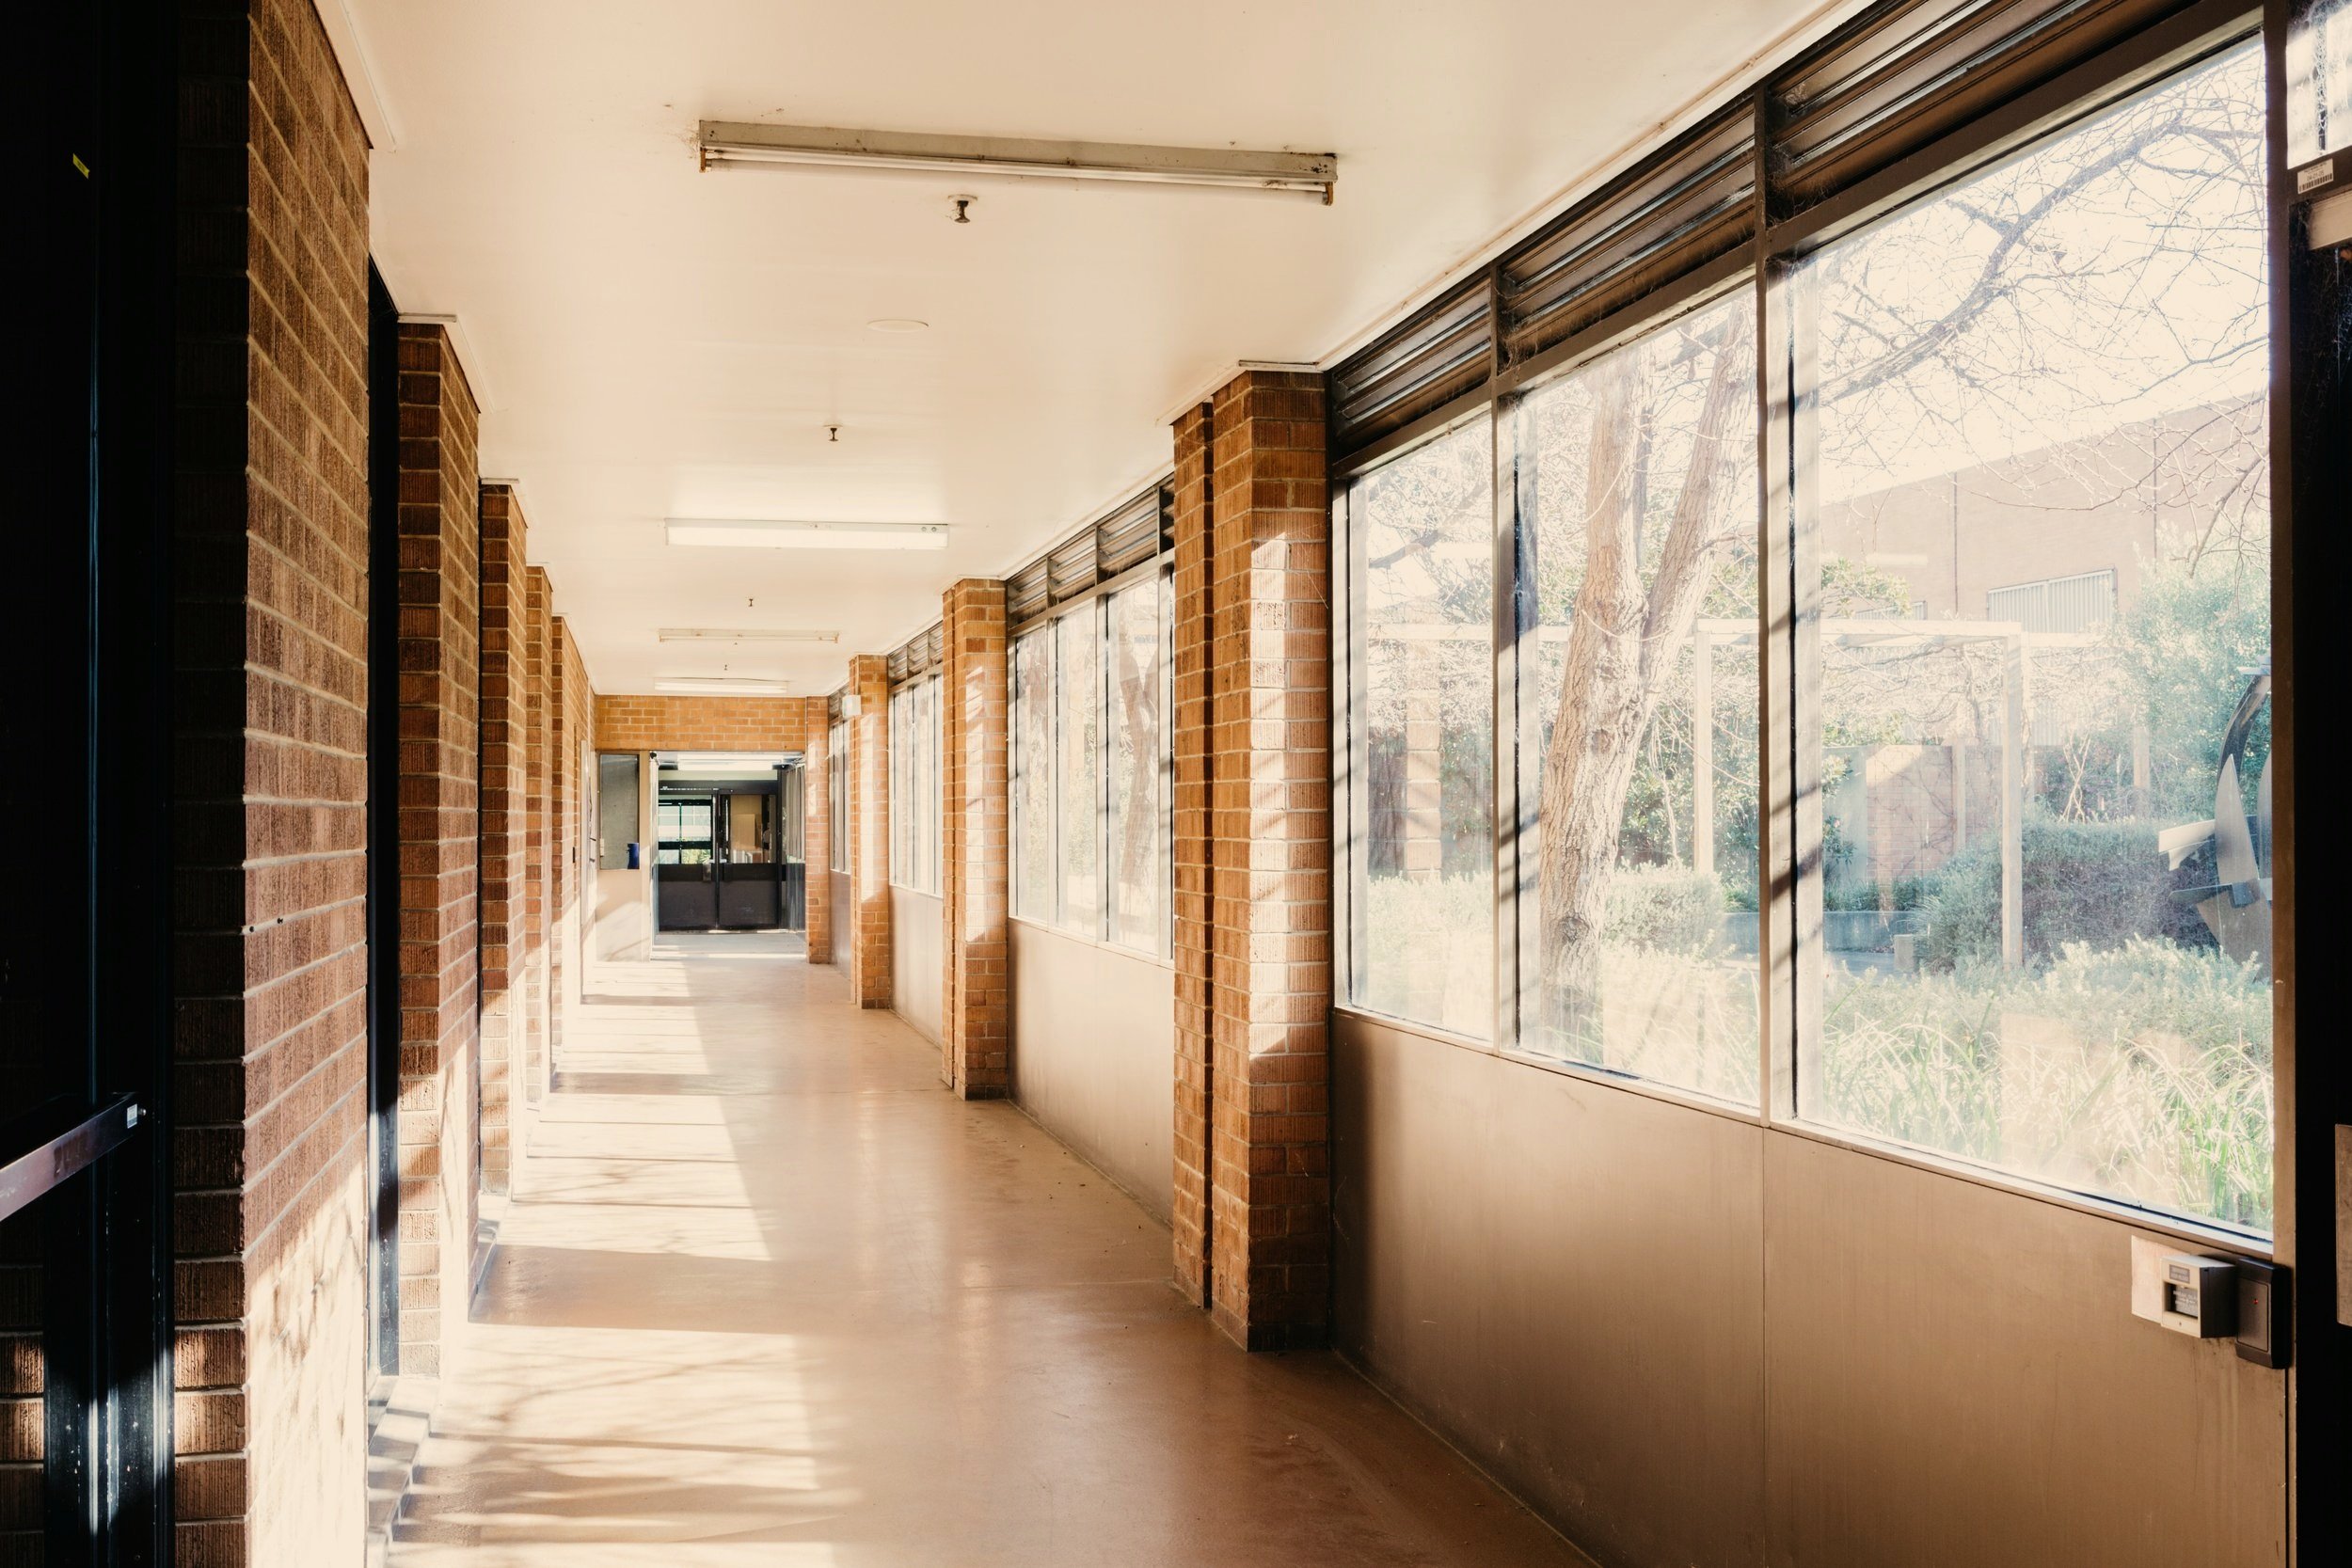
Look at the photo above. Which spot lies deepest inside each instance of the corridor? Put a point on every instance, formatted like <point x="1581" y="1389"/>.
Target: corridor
<point x="768" y="1294"/>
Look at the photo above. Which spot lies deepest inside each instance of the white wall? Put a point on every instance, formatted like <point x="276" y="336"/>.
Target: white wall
<point x="918" y="933"/>
<point x="1094" y="1055"/>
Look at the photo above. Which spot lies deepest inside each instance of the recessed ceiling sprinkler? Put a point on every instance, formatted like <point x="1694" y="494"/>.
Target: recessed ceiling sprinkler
<point x="833" y="434"/>
<point x="963" y="205"/>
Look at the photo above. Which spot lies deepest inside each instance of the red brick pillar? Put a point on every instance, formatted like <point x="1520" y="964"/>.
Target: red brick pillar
<point x="870" y="831"/>
<point x="272" y="600"/>
<point x="505" y="819"/>
<point x="570" y="712"/>
<point x="1190" y="1219"/>
<point x="817" y="832"/>
<point x="441" y="616"/>
<point x="538" y="755"/>
<point x="1253" y="823"/>
<point x="976" y="1023"/>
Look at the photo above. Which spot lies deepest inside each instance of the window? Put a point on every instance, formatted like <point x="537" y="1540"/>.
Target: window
<point x="1138" y="765"/>
<point x="1078" y="745"/>
<point x="838" y="766"/>
<point x="1638" y="718"/>
<point x="1033" y="873"/>
<point x="1091" y="752"/>
<point x="1422" y="528"/>
<point x="616" y="808"/>
<point x="915" y="785"/>
<point x="684" y="832"/>
<point x="2040" y="937"/>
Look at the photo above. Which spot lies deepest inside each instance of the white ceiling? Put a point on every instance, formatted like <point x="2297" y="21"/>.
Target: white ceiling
<point x="655" y="341"/>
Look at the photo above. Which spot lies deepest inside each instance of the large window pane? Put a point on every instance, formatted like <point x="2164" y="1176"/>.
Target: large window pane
<point x="901" y="773"/>
<point x="1638" y="693"/>
<point x="2040" y="547"/>
<point x="1139" y="753"/>
<point x="1033" y="873"/>
<point x="1422" y="531"/>
<point x="1078" y="639"/>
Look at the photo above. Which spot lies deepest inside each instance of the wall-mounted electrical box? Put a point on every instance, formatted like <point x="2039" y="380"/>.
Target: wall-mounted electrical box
<point x="2211" y="1298"/>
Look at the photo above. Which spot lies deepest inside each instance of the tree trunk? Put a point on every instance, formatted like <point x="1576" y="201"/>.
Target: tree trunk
<point x="1623" y="637"/>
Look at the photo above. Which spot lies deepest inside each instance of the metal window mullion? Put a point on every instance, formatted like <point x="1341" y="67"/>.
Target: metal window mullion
<point x="1511" y="498"/>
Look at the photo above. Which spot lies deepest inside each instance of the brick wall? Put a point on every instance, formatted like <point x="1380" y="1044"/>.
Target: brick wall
<point x="441" y="616"/>
<point x="571" y="710"/>
<point x="631" y="723"/>
<point x="870" y="831"/>
<point x="539" y="792"/>
<point x="1190" y="1217"/>
<point x="1253" y="857"/>
<point x="976" y="1032"/>
<point x="505" y="815"/>
<point x="271" y="507"/>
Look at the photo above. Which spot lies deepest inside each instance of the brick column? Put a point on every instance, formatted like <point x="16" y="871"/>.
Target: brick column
<point x="272" y="598"/>
<point x="536" y="757"/>
<point x="870" y="831"/>
<point x="976" y="1023"/>
<point x="440" y="612"/>
<point x="570" y="713"/>
<point x="505" y="819"/>
<point x="817" y="838"/>
<point x="1253" y="847"/>
<point x="1190" y="1218"/>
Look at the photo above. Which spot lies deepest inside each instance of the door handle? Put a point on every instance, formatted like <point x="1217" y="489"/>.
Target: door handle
<point x="63" y="1144"/>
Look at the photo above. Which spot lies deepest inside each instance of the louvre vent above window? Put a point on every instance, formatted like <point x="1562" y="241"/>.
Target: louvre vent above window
<point x="1900" y="76"/>
<point x="1129" y="535"/>
<point x="1443" y="350"/>
<point x="1680" y="210"/>
<point x="917" y="657"/>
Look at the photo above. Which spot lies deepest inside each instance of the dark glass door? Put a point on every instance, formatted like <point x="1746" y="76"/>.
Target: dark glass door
<point x="84" y="1365"/>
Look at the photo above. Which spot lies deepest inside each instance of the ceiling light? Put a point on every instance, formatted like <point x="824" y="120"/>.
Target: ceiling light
<point x="897" y="324"/>
<point x="777" y="535"/>
<point x="822" y="146"/>
<point x="718" y="686"/>
<point x="742" y="634"/>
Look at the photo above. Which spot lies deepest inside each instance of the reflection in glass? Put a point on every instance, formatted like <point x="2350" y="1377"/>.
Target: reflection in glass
<point x="1078" y="643"/>
<point x="2039" y="551"/>
<point x="1138" y="789"/>
<point x="1639" y="687"/>
<point x="1033" y="775"/>
<point x="1423" y="529"/>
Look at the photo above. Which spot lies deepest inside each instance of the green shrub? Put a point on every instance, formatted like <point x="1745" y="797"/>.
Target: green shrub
<point x="1668" y="907"/>
<point x="2141" y="1070"/>
<point x="2097" y="883"/>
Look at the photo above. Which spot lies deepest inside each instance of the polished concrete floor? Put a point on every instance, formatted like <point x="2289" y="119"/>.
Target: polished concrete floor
<point x="769" y="1296"/>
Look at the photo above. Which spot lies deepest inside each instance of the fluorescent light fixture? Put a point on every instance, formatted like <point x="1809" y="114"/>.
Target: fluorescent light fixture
<point x="742" y="634"/>
<point x="777" y="535"/>
<point x="725" y="142"/>
<point x="718" y="686"/>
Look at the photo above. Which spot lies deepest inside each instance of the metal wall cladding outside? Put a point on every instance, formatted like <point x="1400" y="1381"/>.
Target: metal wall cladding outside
<point x="918" y="960"/>
<point x="1591" y="1292"/>
<point x="1094" y="1055"/>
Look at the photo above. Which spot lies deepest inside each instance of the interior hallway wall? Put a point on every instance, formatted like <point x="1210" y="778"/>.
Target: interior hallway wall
<point x="918" y="960"/>
<point x="1095" y="1055"/>
<point x="269" y="774"/>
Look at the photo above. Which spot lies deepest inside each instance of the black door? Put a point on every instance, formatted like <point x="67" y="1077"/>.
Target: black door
<point x="84" y="1373"/>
